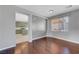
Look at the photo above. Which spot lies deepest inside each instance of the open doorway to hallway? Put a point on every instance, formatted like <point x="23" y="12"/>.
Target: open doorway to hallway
<point x="21" y="32"/>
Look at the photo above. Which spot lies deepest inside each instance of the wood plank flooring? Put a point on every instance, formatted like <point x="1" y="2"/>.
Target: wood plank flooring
<point x="46" y="45"/>
<point x="22" y="48"/>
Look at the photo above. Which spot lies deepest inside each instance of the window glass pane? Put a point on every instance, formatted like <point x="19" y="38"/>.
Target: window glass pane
<point x="60" y="24"/>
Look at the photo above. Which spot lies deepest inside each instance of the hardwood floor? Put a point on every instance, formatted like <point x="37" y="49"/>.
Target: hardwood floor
<point x="73" y="47"/>
<point x="22" y="48"/>
<point x="8" y="51"/>
<point x="47" y="46"/>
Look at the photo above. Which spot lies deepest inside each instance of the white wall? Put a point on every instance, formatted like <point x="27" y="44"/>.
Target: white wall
<point x="33" y="34"/>
<point x="26" y="12"/>
<point x="73" y="30"/>
<point x="38" y="27"/>
<point x="7" y="27"/>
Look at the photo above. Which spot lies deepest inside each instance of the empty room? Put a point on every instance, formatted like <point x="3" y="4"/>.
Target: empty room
<point x="39" y="29"/>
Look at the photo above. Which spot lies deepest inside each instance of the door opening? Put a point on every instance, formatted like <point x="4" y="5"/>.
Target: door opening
<point x="21" y="28"/>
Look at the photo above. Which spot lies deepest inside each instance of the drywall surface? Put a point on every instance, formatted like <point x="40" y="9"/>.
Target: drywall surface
<point x="73" y="28"/>
<point x="24" y="11"/>
<point x="38" y="27"/>
<point x="7" y="27"/>
<point x="36" y="24"/>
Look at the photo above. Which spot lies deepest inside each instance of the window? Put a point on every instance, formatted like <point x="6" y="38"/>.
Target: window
<point x="60" y="24"/>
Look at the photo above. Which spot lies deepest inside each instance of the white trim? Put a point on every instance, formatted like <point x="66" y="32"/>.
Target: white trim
<point x="54" y="37"/>
<point x="62" y="39"/>
<point x="37" y="38"/>
<point x="7" y="47"/>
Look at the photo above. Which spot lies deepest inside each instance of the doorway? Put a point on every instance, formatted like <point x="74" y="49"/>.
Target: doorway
<point x="21" y="33"/>
<point x="21" y="27"/>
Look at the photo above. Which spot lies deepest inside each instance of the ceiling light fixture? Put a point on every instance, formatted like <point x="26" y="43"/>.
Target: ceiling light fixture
<point x="50" y="11"/>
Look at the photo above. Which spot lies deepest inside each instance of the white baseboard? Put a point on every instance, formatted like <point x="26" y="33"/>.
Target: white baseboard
<point x="38" y="38"/>
<point x="54" y="37"/>
<point x="63" y="39"/>
<point x="7" y="47"/>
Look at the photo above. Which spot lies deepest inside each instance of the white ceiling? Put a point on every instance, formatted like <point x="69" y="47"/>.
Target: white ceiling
<point x="43" y="9"/>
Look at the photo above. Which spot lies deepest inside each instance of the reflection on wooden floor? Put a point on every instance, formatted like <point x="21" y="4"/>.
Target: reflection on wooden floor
<point x="22" y="48"/>
<point x="46" y="46"/>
